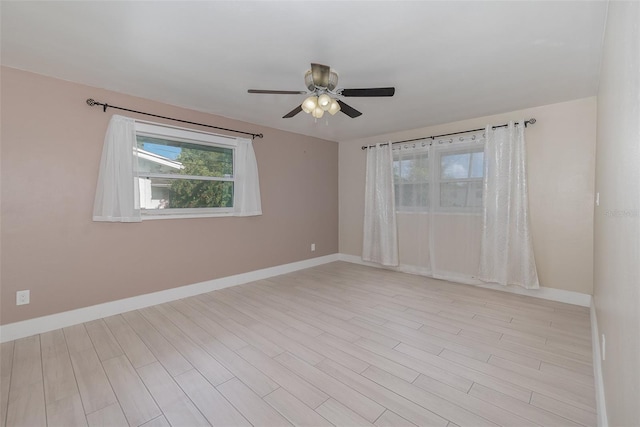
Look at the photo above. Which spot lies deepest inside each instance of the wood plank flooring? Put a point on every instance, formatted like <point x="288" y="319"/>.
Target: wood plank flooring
<point x="339" y="344"/>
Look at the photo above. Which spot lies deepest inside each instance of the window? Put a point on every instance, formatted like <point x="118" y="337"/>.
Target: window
<point x="411" y="180"/>
<point x="460" y="179"/>
<point x="448" y="178"/>
<point x="158" y="171"/>
<point x="182" y="171"/>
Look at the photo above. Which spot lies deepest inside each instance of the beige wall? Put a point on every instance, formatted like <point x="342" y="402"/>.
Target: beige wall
<point x="617" y="219"/>
<point x="561" y="159"/>
<point x="51" y="147"/>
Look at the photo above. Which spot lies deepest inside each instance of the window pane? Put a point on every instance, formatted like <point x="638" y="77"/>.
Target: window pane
<point x="412" y="197"/>
<point x="407" y="195"/>
<point x="474" y="197"/>
<point x="454" y="166"/>
<point x="411" y="177"/>
<point x="477" y="164"/>
<point x="396" y="171"/>
<point x="420" y="172"/>
<point x="396" y="191"/>
<point x="454" y="194"/>
<point x="461" y="194"/>
<point x="422" y="196"/>
<point x="411" y="168"/>
<point x="156" y="155"/>
<point x="406" y="166"/>
<point x="166" y="193"/>
<point x="403" y="169"/>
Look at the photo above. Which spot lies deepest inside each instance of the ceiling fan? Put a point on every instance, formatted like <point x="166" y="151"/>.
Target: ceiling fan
<point x="322" y="82"/>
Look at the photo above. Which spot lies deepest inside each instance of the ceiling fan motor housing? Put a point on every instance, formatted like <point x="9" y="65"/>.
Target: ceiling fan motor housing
<point x="312" y="86"/>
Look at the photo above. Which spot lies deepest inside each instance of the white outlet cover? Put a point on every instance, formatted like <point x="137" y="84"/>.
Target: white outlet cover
<point x="22" y="297"/>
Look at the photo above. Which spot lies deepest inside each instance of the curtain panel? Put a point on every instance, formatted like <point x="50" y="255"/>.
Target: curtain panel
<point x="380" y="238"/>
<point x="246" y="196"/>
<point x="117" y="191"/>
<point x="506" y="255"/>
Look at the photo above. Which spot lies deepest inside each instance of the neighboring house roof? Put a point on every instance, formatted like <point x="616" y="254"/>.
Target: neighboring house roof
<point x="160" y="160"/>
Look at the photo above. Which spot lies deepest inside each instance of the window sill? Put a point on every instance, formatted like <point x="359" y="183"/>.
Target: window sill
<point x="147" y="217"/>
<point x="475" y="213"/>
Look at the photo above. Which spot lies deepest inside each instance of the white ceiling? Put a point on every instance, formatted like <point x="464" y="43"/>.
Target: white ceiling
<point x="448" y="60"/>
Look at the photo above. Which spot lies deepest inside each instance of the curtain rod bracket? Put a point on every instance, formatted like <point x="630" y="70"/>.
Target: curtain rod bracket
<point x="91" y="102"/>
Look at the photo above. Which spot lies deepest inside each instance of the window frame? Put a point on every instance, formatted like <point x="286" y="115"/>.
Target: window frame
<point x="178" y="134"/>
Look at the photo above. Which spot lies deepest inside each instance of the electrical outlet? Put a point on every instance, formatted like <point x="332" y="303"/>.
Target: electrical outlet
<point x="22" y="297"/>
<point x="313" y="247"/>
<point x="603" y="347"/>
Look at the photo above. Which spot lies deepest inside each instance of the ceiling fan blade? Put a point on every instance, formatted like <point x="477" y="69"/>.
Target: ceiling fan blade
<point x="369" y="92"/>
<point x="320" y="74"/>
<point x="292" y="112"/>
<point x="349" y="110"/>
<point x="278" y="92"/>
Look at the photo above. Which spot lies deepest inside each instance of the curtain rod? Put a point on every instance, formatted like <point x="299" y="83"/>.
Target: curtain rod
<point x="92" y="102"/>
<point x="527" y="122"/>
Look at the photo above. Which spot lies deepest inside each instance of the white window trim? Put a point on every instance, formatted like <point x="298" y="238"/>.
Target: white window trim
<point x="154" y="216"/>
<point x="175" y="133"/>
<point x="184" y="134"/>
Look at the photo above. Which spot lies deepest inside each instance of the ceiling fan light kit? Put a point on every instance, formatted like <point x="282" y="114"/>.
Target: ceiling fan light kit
<point x="334" y="107"/>
<point x="324" y="101"/>
<point x="309" y="104"/>
<point x="317" y="105"/>
<point x="322" y="82"/>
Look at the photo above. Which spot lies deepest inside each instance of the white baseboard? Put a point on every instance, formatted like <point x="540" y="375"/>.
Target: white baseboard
<point x="552" y="294"/>
<point x="601" y="407"/>
<point x="51" y="322"/>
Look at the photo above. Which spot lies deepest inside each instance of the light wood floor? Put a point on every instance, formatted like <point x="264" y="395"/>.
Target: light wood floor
<point x="339" y="344"/>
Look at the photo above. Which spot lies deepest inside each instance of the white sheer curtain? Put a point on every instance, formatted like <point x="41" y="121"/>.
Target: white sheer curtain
<point x="455" y="208"/>
<point x="439" y="204"/>
<point x="506" y="255"/>
<point x="380" y="239"/>
<point x="246" y="196"/>
<point x="117" y="192"/>
<point x="412" y="190"/>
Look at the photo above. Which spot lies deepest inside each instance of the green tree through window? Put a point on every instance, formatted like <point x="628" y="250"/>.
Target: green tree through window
<point x="179" y="174"/>
<point x="198" y="193"/>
